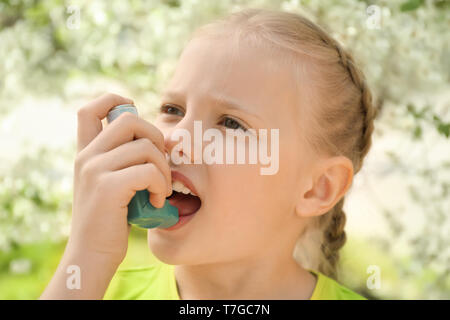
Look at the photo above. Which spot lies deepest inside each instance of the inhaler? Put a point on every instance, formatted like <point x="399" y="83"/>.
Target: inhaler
<point x="141" y="213"/>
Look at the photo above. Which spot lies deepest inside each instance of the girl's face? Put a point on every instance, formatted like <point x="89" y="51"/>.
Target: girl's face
<point x="243" y="213"/>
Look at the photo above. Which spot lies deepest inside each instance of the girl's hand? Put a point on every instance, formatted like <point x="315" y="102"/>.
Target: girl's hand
<point x="109" y="168"/>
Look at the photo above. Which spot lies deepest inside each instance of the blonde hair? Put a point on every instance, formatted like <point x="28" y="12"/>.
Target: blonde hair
<point x="342" y="111"/>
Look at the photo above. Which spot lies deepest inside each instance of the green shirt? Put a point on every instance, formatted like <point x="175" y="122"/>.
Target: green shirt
<point x="157" y="282"/>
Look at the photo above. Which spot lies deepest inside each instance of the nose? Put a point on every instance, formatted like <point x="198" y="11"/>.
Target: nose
<point x="172" y="149"/>
<point x="179" y="141"/>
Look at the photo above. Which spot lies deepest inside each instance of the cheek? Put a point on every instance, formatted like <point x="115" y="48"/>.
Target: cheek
<point x="242" y="200"/>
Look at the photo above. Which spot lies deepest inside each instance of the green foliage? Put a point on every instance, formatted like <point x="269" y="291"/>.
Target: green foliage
<point x="411" y="5"/>
<point x="26" y="269"/>
<point x="34" y="185"/>
<point x="40" y="261"/>
<point x="426" y="114"/>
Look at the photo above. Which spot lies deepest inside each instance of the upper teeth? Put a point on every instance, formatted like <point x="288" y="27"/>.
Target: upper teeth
<point x="178" y="186"/>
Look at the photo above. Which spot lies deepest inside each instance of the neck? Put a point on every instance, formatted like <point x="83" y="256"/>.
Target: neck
<point x="269" y="276"/>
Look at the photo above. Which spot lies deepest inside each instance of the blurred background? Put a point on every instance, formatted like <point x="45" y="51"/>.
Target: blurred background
<point x="56" y="55"/>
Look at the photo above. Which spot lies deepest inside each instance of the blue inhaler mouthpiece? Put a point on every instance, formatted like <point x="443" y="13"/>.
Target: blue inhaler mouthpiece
<point x="141" y="213"/>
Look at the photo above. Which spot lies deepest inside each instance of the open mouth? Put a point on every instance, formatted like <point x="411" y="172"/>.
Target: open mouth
<point x="184" y="195"/>
<point x="186" y="204"/>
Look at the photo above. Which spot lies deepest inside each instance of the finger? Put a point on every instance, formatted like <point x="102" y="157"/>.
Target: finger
<point x="90" y="117"/>
<point x="137" y="152"/>
<point x="141" y="177"/>
<point x="125" y="128"/>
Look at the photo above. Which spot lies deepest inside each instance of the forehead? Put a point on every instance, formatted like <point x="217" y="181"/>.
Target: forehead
<point x="255" y="77"/>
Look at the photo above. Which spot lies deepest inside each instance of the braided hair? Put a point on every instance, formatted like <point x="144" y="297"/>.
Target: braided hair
<point x="333" y="222"/>
<point x="344" y="122"/>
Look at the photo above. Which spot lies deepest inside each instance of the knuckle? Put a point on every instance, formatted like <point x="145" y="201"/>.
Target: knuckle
<point x="82" y="112"/>
<point x="78" y="164"/>
<point x="113" y="97"/>
<point x="89" y="169"/>
<point x="156" y="134"/>
<point x="128" y="118"/>
<point x="146" y="144"/>
<point x="80" y="159"/>
<point x="149" y="170"/>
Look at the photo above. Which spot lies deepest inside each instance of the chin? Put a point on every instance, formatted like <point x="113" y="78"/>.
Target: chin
<point x="165" y="250"/>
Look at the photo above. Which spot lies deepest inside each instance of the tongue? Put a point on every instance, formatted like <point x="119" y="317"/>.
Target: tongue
<point x="185" y="203"/>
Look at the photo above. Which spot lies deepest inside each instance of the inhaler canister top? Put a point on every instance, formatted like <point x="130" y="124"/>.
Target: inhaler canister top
<point x="118" y="110"/>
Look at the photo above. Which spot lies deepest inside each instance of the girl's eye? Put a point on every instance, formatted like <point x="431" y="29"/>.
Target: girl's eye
<point x="227" y="121"/>
<point x="232" y="124"/>
<point x="172" y="110"/>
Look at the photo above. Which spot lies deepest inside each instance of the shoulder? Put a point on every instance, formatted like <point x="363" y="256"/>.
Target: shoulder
<point x="151" y="282"/>
<point x="329" y="289"/>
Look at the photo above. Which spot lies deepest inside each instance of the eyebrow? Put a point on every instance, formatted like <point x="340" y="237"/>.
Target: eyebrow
<point x="229" y="102"/>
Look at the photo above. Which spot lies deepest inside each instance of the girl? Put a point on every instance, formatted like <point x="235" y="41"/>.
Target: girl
<point x="245" y="235"/>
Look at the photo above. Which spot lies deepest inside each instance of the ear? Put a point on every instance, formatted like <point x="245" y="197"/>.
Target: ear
<point x="330" y="181"/>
